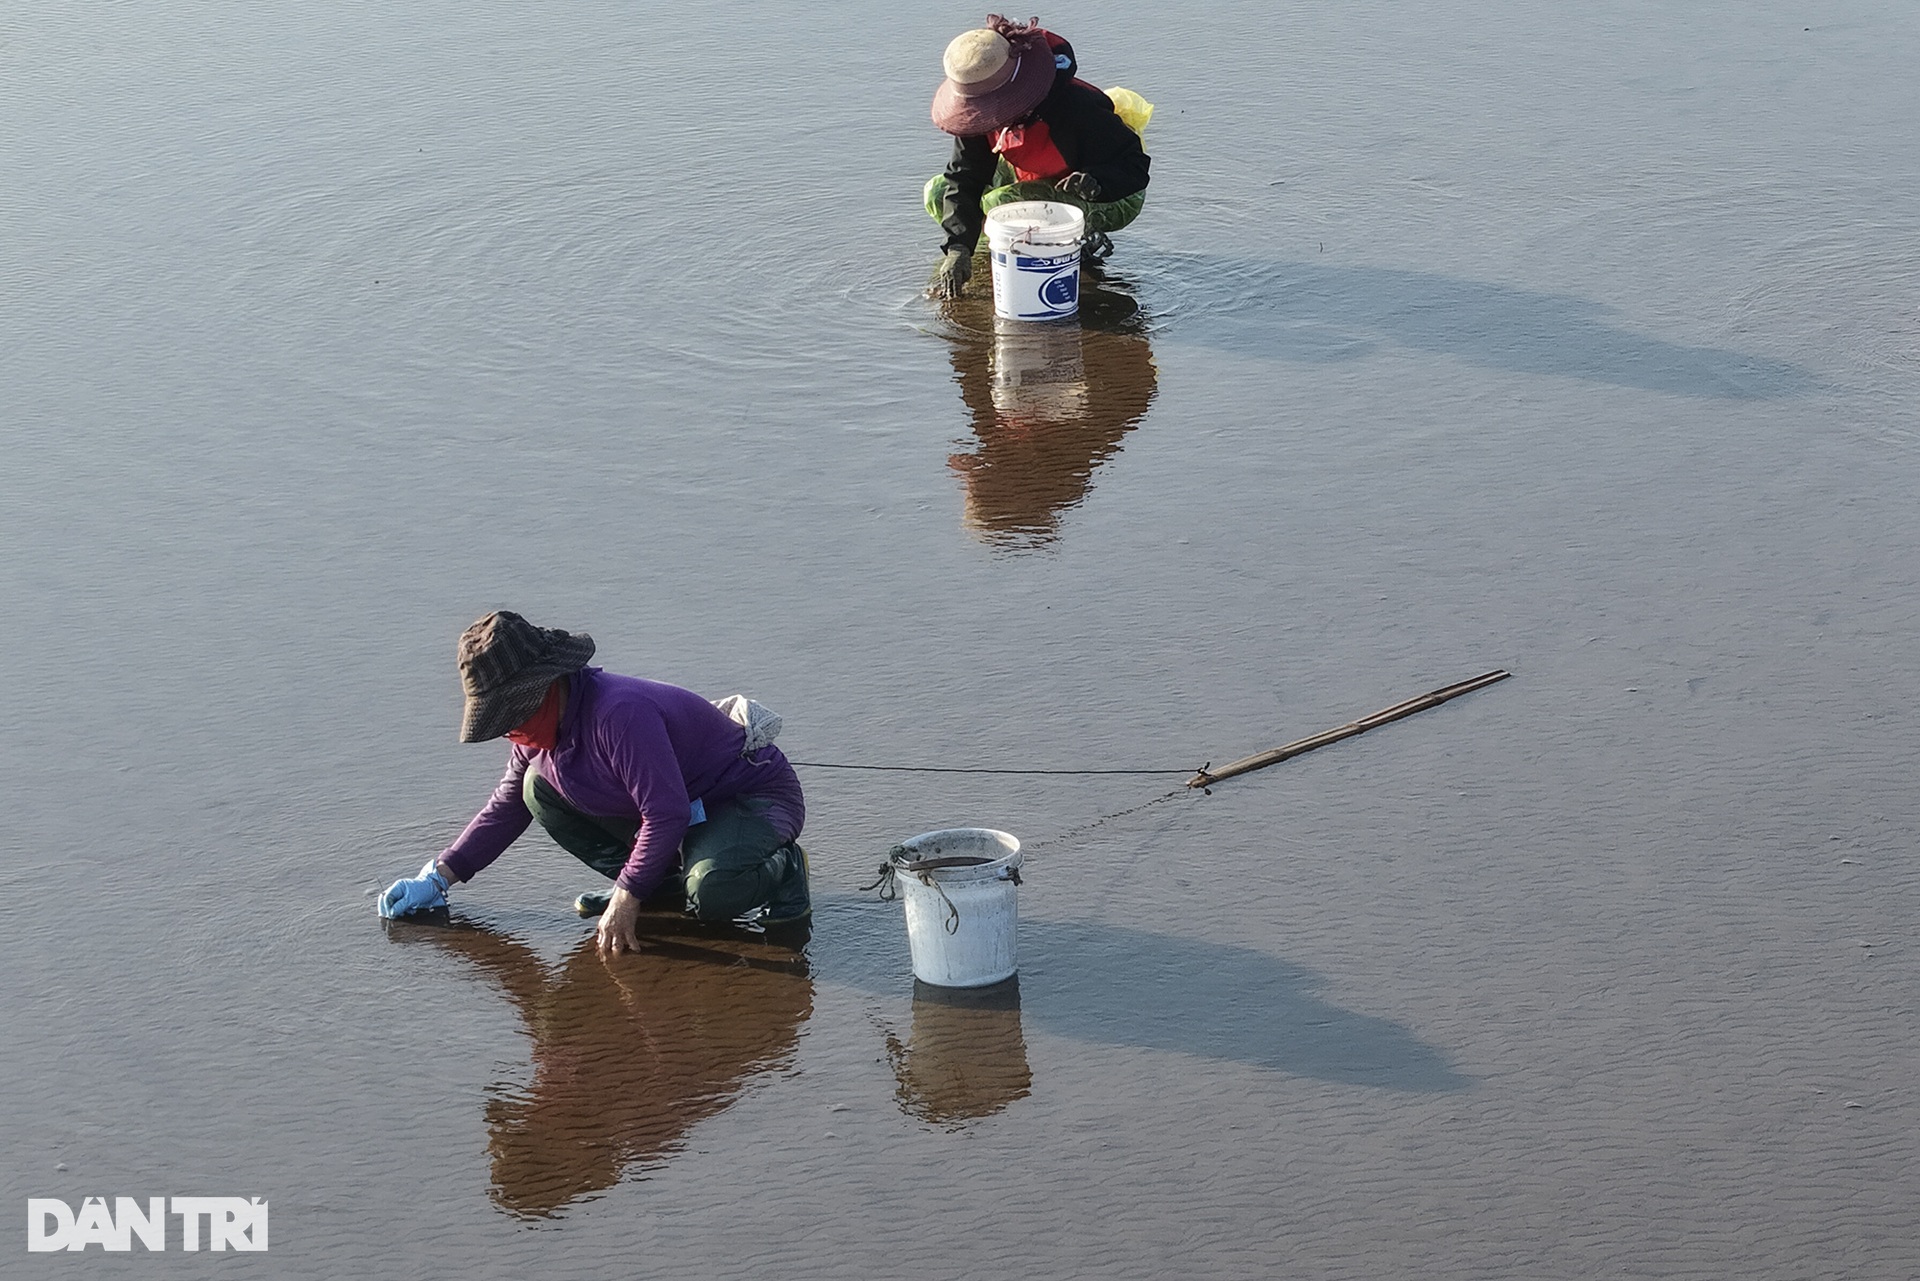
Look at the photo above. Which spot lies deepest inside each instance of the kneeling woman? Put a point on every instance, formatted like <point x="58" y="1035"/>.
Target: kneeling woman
<point x="1025" y="127"/>
<point x="648" y="784"/>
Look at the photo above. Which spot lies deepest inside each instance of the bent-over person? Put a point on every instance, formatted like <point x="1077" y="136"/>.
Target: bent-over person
<point x="655" y="788"/>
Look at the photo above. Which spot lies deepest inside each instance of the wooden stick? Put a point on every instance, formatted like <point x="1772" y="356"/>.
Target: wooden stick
<point x="1208" y="777"/>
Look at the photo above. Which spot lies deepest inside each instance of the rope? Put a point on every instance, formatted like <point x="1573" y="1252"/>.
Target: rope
<point x="885" y="882"/>
<point x="1206" y="776"/>
<point x="952" y="923"/>
<point x="956" y="769"/>
<point x="1201" y="781"/>
<point x="1104" y="819"/>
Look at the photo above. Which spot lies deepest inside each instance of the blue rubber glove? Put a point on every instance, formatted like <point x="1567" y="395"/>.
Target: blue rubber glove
<point x="414" y="894"/>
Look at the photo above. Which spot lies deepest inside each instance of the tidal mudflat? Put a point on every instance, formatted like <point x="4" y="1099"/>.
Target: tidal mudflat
<point x="1579" y="343"/>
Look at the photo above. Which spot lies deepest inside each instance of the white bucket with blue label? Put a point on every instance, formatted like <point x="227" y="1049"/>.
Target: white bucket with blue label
<point x="1035" y="246"/>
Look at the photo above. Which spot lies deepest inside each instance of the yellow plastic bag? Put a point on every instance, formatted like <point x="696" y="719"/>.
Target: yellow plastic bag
<point x="1133" y="110"/>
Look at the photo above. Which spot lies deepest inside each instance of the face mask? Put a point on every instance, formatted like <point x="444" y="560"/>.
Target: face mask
<point x="540" y="731"/>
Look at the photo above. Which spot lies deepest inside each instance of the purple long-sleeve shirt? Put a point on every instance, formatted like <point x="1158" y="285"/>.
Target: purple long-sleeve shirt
<point x="634" y="749"/>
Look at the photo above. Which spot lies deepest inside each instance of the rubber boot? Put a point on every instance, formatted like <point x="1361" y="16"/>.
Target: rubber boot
<point x="593" y="903"/>
<point x="792" y="902"/>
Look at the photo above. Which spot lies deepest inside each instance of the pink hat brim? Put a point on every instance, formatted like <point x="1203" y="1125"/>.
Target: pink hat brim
<point x="1032" y="80"/>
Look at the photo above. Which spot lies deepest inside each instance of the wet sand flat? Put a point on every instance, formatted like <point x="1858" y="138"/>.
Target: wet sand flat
<point x="1585" y="345"/>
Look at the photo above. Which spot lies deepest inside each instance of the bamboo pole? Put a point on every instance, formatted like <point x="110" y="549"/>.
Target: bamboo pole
<point x="1208" y="777"/>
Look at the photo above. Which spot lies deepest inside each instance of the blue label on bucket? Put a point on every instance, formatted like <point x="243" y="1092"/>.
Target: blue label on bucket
<point x="1022" y="262"/>
<point x="1062" y="293"/>
<point x="1029" y="288"/>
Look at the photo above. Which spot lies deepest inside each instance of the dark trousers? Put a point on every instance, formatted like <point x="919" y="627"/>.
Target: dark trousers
<point x="727" y="865"/>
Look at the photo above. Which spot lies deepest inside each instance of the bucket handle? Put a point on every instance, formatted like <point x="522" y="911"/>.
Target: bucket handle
<point x="953" y="913"/>
<point x="887" y="882"/>
<point x="924" y="870"/>
<point x="1026" y="238"/>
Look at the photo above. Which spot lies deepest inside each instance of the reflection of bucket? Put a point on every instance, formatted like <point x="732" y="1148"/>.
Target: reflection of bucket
<point x="958" y="889"/>
<point x="1036" y="259"/>
<point x="1038" y="371"/>
<point x="965" y="1057"/>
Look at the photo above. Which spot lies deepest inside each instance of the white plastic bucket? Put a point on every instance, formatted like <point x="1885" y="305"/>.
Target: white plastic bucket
<point x="1035" y="245"/>
<point x="960" y="916"/>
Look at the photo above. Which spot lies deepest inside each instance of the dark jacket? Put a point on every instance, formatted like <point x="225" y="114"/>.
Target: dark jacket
<point x="1090" y="138"/>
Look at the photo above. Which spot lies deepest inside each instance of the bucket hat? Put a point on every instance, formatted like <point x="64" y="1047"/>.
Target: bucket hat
<point x="993" y="79"/>
<point x="506" y="665"/>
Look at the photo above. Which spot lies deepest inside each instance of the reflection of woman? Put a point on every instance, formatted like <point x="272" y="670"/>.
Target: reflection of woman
<point x="1049" y="404"/>
<point x="965" y="1057"/>
<point x="627" y="1057"/>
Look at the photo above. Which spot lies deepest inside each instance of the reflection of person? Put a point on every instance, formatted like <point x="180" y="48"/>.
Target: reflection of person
<point x="648" y="784"/>
<point x="965" y="1057"/>
<point x="627" y="1058"/>
<point x="1049" y="404"/>
<point x="1025" y="128"/>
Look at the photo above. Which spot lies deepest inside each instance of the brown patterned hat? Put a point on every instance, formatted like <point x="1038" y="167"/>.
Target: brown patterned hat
<point x="506" y="664"/>
<point x="995" y="75"/>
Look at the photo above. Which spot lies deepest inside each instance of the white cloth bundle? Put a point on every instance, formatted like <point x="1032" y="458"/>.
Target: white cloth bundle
<point x="761" y="722"/>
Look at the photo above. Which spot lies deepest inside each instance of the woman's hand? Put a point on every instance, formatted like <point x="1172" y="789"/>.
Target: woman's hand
<point x="950" y="275"/>
<point x="1081" y="186"/>
<point x="619" y="924"/>
<point x="420" y="893"/>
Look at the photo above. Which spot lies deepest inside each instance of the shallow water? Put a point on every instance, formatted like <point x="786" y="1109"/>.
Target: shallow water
<point x="1581" y="344"/>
